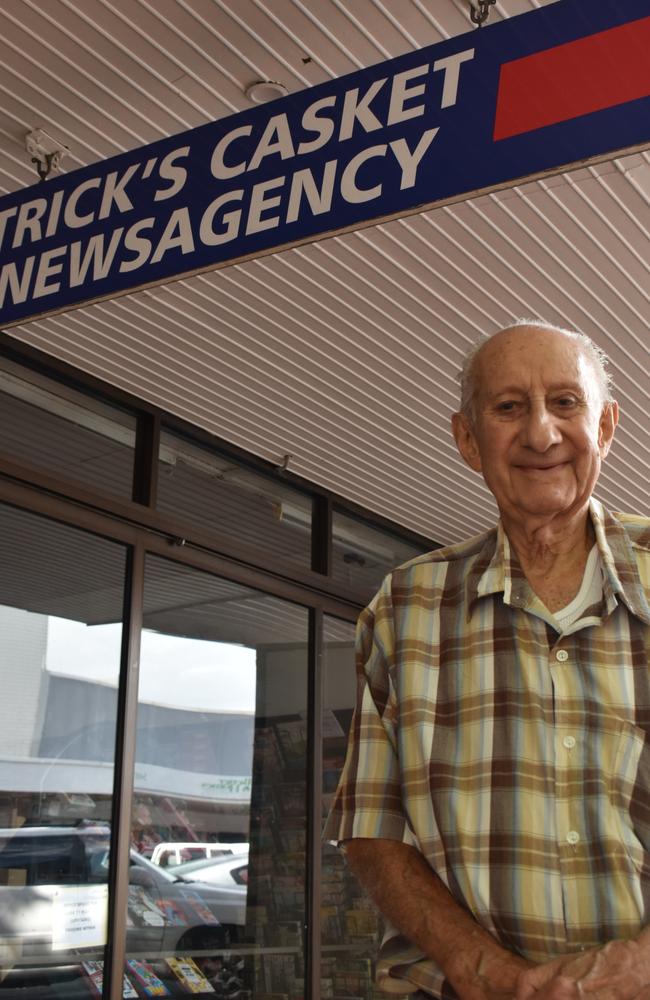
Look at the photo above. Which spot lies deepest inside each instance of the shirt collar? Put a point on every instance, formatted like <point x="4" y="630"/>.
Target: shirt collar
<point x="497" y="570"/>
<point x="621" y="573"/>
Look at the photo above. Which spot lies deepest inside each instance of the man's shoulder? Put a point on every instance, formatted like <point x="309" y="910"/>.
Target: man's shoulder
<point x="636" y="527"/>
<point x="438" y="560"/>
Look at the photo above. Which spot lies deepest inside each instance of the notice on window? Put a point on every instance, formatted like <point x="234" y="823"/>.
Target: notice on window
<point x="79" y="916"/>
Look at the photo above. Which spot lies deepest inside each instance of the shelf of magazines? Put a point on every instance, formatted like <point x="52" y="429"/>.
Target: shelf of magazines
<point x="351" y="926"/>
<point x="275" y="906"/>
<point x="351" y="932"/>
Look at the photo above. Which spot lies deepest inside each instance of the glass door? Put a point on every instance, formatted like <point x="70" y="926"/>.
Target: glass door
<point x="217" y="893"/>
<point x="61" y="597"/>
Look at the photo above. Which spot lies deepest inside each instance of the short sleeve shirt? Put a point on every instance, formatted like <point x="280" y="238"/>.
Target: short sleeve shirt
<point x="516" y="759"/>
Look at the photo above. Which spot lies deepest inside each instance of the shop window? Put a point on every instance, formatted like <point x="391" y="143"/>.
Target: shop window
<point x="215" y="494"/>
<point x="61" y="594"/>
<point x="65" y="432"/>
<point x="220" y="772"/>
<point x="363" y="555"/>
<point x="351" y="927"/>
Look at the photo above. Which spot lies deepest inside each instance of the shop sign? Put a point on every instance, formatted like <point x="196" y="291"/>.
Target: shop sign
<point x="172" y="781"/>
<point x="565" y="84"/>
<point x="79" y="916"/>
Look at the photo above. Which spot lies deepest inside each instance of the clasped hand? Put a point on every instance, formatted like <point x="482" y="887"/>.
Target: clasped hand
<point x="619" y="970"/>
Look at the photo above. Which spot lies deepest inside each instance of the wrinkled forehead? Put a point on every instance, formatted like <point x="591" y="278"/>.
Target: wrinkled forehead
<point x="532" y="357"/>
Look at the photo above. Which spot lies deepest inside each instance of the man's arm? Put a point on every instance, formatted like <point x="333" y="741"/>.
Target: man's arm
<point x="409" y="893"/>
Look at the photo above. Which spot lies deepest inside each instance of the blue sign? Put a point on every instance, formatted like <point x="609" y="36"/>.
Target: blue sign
<point x="564" y="84"/>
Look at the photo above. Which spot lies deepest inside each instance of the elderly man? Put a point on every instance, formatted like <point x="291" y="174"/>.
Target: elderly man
<point x="495" y="800"/>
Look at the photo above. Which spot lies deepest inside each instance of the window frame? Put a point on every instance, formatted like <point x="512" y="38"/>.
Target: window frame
<point x="137" y="524"/>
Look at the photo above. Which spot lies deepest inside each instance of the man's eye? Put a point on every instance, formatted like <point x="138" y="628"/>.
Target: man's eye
<point x="566" y="401"/>
<point x="507" y="406"/>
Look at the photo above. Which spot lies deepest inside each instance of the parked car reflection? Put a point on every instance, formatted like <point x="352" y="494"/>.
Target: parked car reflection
<point x="54" y="895"/>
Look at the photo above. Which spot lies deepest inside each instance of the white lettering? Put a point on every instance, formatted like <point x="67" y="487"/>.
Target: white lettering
<point x="232" y="219"/>
<point x="358" y="110"/>
<point x="178" y="233"/>
<point x="451" y="66"/>
<point x="349" y="188"/>
<point x="70" y="216"/>
<point x="19" y="286"/>
<point x="170" y="172"/>
<point x="148" y="167"/>
<point x="114" y="192"/>
<point x="400" y="93"/>
<point x="276" y="138"/>
<point x="409" y="161"/>
<point x="29" y="216"/>
<point x="217" y="165"/>
<point x="260" y="203"/>
<point x="4" y="218"/>
<point x="319" y="201"/>
<point x="94" y="253"/>
<point x="46" y="270"/>
<point x="312" y="122"/>
<point x="55" y="212"/>
<point x="140" y="245"/>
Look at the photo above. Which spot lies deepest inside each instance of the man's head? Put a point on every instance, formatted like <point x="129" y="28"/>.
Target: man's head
<point x="536" y="418"/>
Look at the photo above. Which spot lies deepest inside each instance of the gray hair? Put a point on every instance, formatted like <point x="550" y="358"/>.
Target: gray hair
<point x="591" y="351"/>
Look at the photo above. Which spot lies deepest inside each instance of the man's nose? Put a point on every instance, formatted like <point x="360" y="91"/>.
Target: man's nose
<point x="540" y="430"/>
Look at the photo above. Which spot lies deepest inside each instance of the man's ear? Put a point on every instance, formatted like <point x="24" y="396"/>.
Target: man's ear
<point x="607" y="426"/>
<point x="466" y="441"/>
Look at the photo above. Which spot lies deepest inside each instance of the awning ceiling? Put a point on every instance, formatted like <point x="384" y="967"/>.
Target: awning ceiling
<point x="342" y="353"/>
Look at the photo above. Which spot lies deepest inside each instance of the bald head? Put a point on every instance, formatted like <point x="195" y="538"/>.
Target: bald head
<point x="471" y="374"/>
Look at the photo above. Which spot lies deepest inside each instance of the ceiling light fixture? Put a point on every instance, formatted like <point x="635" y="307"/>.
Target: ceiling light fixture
<point x="263" y="91"/>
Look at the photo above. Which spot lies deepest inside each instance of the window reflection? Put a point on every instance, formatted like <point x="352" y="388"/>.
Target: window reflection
<point x="66" y="432"/>
<point x="215" y="493"/>
<point x="60" y="631"/>
<point x="363" y="555"/>
<point x="218" y="826"/>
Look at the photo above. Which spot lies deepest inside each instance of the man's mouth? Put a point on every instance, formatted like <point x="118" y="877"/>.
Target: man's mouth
<point x="542" y="468"/>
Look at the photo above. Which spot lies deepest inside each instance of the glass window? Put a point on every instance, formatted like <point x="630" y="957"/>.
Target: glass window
<point x="65" y="432"/>
<point x="363" y="555"/>
<point x="214" y="493"/>
<point x="351" y="927"/>
<point x="61" y="593"/>
<point x="217" y="895"/>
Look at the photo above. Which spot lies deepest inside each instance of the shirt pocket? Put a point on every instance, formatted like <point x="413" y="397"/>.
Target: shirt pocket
<point x="630" y="794"/>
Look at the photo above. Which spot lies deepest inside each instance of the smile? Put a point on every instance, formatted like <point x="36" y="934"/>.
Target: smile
<point x="541" y="468"/>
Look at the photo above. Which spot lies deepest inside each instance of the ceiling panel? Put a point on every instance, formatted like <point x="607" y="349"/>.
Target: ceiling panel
<point x="341" y="353"/>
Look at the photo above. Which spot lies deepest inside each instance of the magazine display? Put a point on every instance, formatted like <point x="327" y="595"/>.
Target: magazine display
<point x="146" y="978"/>
<point x="143" y="911"/>
<point x="192" y="900"/>
<point x="189" y="974"/>
<point x="95" y="973"/>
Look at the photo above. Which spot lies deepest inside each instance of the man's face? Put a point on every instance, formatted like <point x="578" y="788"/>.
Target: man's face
<point x="540" y="430"/>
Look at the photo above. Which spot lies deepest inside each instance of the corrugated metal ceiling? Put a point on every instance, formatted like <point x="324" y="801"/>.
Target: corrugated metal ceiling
<point x="342" y="353"/>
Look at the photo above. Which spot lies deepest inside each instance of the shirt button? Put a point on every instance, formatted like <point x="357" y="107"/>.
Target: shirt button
<point x="562" y="655"/>
<point x="573" y="837"/>
<point x="569" y="742"/>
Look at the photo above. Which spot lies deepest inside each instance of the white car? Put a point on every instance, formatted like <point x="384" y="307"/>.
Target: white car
<point x="175" y="853"/>
<point x="227" y="876"/>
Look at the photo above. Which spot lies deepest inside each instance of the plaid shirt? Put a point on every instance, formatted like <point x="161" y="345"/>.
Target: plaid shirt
<point x="515" y="759"/>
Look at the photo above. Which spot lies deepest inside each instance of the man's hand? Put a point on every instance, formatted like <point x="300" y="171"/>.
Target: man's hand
<point x="620" y="970"/>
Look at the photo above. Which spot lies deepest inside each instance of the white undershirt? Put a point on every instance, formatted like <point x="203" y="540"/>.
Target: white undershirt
<point x="591" y="592"/>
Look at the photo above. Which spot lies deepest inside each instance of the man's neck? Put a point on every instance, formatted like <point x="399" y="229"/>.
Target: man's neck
<point x="553" y="554"/>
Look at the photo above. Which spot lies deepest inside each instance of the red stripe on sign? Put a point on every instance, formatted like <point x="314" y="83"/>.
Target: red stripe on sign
<point x="574" y="79"/>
